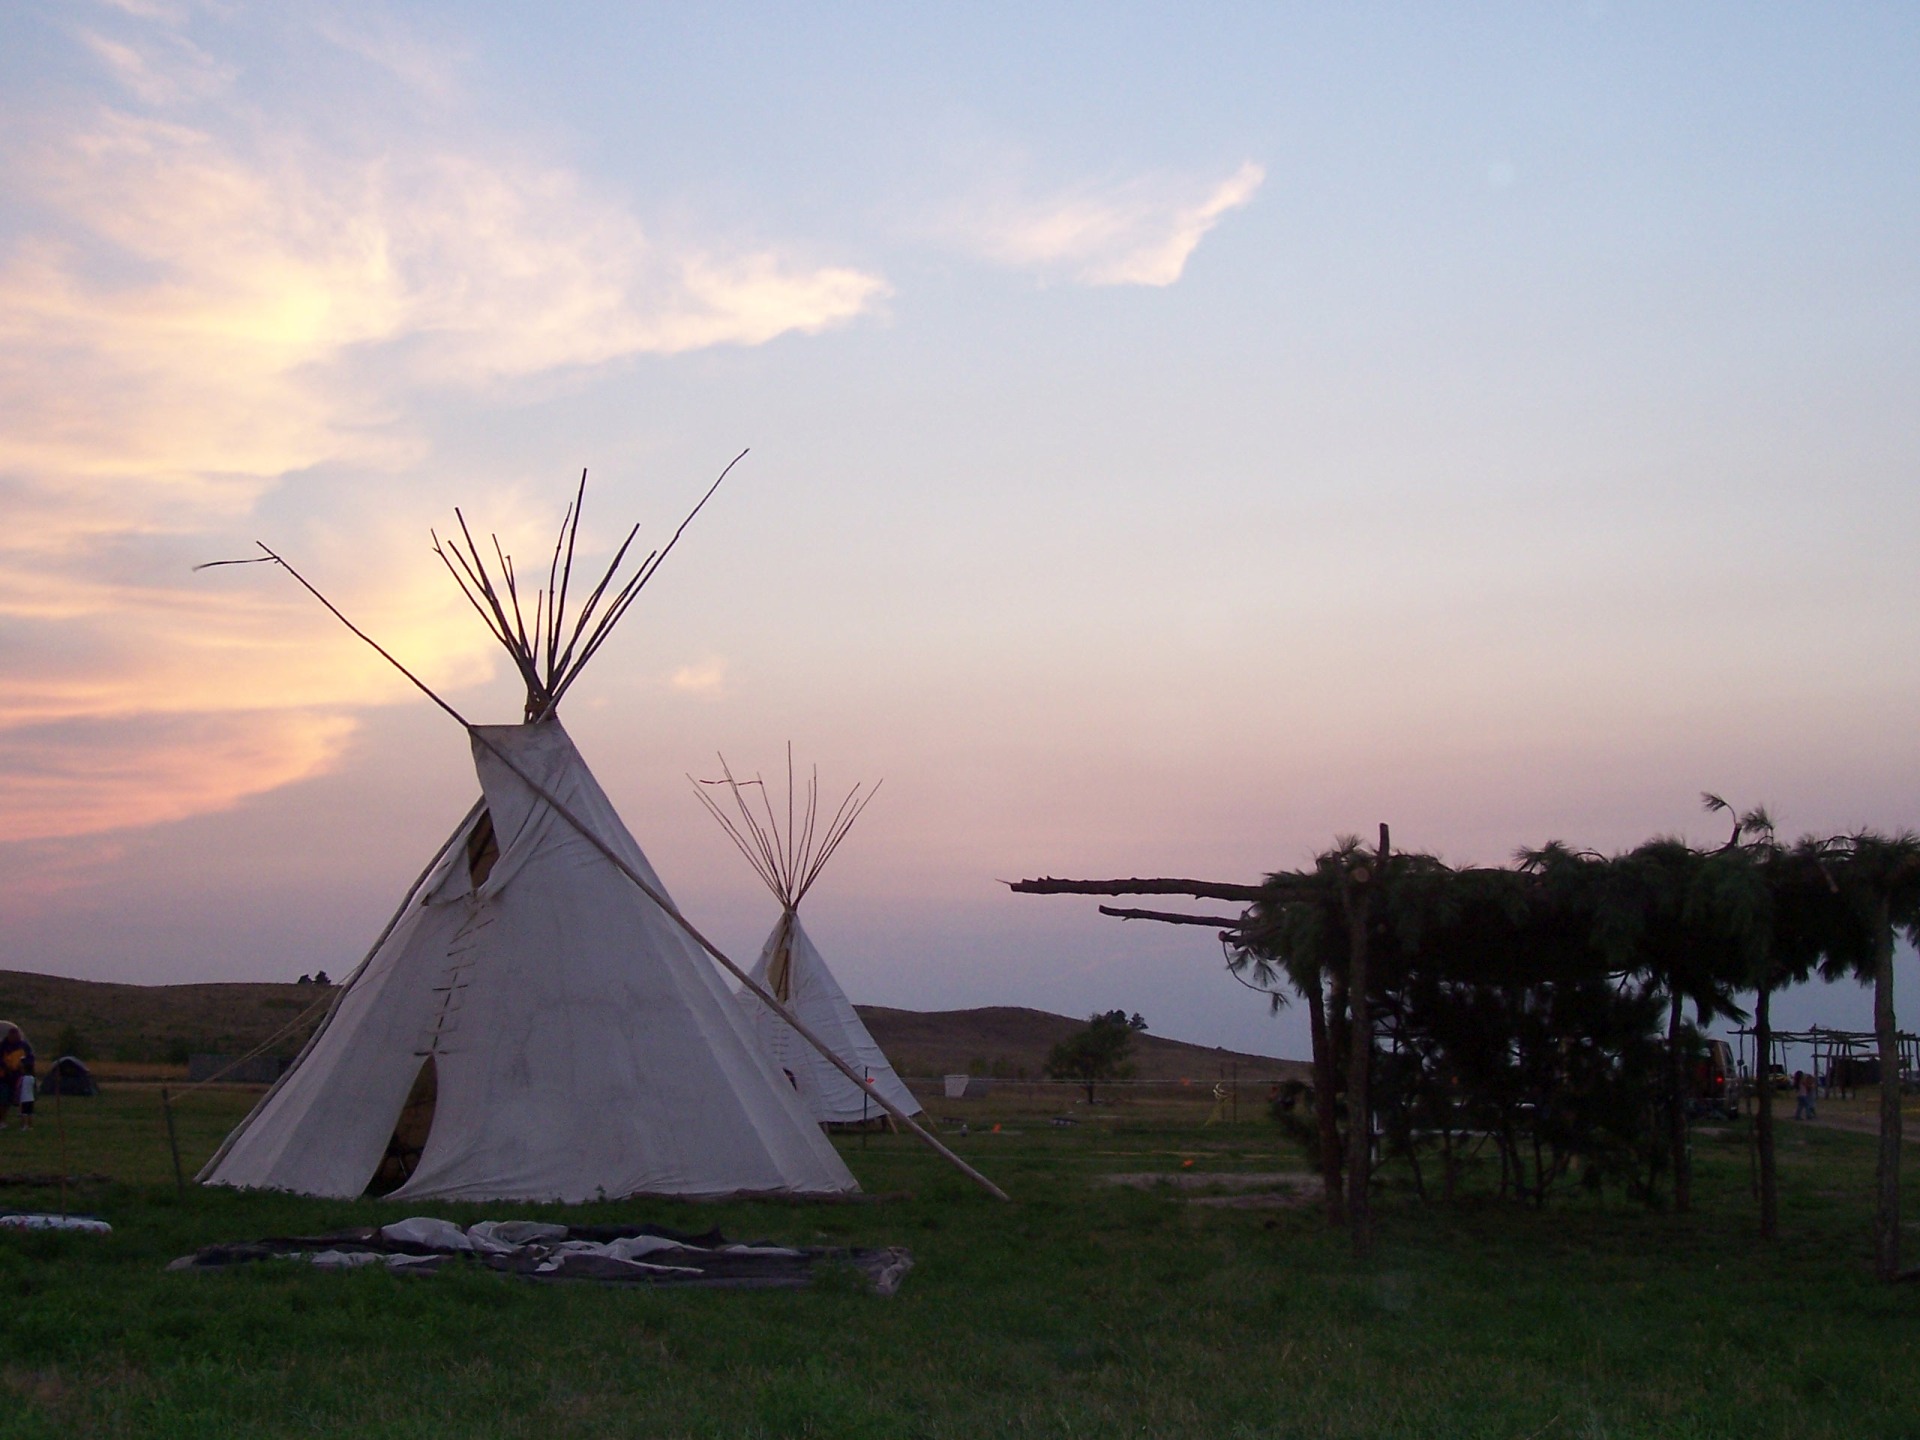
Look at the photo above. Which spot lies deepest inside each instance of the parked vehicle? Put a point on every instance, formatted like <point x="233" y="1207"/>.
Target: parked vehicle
<point x="1714" y="1090"/>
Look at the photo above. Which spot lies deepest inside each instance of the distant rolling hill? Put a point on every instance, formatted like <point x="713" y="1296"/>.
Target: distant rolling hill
<point x="164" y="1023"/>
<point x="158" y="1023"/>
<point x="1012" y="1041"/>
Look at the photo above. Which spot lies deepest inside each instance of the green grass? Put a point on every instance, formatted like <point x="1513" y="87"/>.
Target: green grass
<point x="1082" y="1309"/>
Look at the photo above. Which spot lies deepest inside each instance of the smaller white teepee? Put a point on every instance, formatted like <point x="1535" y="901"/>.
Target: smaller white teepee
<point x="790" y="967"/>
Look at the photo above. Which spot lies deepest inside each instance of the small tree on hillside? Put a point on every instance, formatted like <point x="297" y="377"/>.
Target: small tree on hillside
<point x="1096" y="1053"/>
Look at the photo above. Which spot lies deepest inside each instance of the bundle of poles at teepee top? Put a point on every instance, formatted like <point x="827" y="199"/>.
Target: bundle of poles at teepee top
<point x="551" y="652"/>
<point x="787" y="859"/>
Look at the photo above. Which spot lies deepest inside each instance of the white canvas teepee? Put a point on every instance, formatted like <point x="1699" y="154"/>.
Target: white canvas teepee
<point x="792" y="969"/>
<point x="573" y="1041"/>
<point x="810" y="990"/>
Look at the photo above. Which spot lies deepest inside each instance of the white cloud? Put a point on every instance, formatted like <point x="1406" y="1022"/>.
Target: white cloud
<point x="707" y="679"/>
<point x="427" y="69"/>
<point x="149" y="10"/>
<point x="196" y="312"/>
<point x="1139" y="232"/>
<point x="166" y="69"/>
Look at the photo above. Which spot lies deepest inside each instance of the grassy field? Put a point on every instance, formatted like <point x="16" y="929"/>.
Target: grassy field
<point x="1083" y="1309"/>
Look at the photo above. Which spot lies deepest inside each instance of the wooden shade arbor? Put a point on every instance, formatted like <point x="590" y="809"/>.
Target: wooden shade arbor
<point x="1350" y="880"/>
<point x="1369" y="933"/>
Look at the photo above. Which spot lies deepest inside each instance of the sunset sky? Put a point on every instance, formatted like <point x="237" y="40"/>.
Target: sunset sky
<point x="1178" y="436"/>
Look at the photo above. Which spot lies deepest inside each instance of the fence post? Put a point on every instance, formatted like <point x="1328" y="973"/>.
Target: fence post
<point x="60" y="1124"/>
<point x="173" y="1143"/>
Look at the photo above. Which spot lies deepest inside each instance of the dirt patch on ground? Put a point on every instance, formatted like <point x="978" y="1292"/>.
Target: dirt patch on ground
<point x="1213" y="1179"/>
<point x="1866" y="1125"/>
<point x="1252" y="1191"/>
<point x="1295" y="1199"/>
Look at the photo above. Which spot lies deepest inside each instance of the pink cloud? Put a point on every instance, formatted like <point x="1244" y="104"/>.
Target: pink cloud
<point x="80" y="777"/>
<point x="200" y="313"/>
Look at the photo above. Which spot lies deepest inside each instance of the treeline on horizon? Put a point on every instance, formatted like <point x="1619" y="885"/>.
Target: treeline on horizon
<point x="1553" y="1008"/>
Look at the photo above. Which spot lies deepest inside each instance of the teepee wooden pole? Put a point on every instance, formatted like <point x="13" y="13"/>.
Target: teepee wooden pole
<point x="673" y="913"/>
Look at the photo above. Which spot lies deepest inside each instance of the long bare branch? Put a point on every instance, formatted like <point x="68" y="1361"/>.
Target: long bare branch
<point x="1199" y="889"/>
<point x="1168" y="917"/>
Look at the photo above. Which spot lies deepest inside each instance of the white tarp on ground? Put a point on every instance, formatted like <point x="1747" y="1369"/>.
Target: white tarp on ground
<point x="597" y="1254"/>
<point x="583" y="1046"/>
<point x="815" y="996"/>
